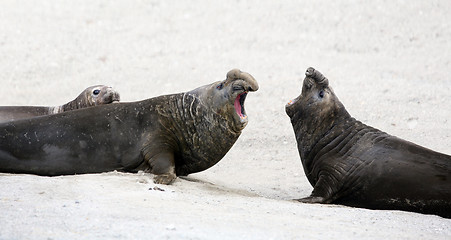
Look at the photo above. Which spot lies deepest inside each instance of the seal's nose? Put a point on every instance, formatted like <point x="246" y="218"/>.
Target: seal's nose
<point x="318" y="77"/>
<point x="116" y="97"/>
<point x="113" y="95"/>
<point x="250" y="81"/>
<point x="253" y="87"/>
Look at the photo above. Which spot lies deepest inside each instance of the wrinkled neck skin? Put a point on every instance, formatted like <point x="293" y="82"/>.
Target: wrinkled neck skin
<point x="313" y="133"/>
<point x="202" y="131"/>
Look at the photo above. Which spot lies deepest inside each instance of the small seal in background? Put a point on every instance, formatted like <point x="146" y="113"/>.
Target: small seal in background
<point x="91" y="96"/>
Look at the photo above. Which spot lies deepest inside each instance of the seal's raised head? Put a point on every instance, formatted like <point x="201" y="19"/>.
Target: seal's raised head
<point x="227" y="97"/>
<point x="100" y="94"/>
<point x="317" y="105"/>
<point x="316" y="110"/>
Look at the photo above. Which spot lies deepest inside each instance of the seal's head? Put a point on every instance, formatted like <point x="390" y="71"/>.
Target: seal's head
<point x="316" y="109"/>
<point x="101" y="94"/>
<point x="226" y="98"/>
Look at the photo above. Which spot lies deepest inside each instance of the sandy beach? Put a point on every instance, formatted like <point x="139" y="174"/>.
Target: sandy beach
<point x="389" y="62"/>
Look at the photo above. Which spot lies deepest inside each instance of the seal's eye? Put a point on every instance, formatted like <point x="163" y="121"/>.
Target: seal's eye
<point x="220" y="86"/>
<point x="321" y="94"/>
<point x="96" y="92"/>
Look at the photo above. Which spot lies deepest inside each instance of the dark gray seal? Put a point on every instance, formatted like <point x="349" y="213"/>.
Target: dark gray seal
<point x="168" y="135"/>
<point x="91" y="96"/>
<point x="350" y="163"/>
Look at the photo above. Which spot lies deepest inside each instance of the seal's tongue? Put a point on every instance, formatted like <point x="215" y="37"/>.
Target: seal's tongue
<point x="238" y="106"/>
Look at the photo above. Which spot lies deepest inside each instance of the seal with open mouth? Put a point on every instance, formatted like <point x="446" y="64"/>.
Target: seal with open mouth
<point x="91" y="96"/>
<point x="169" y="135"/>
<point x="350" y="163"/>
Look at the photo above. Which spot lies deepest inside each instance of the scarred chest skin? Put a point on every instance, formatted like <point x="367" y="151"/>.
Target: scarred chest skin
<point x="199" y="136"/>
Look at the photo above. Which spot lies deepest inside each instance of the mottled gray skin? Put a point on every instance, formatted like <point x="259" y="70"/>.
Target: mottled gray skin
<point x="92" y="96"/>
<point x="169" y="135"/>
<point x="350" y="163"/>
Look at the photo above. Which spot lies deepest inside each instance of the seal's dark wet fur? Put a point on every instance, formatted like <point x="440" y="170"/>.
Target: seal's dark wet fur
<point x="170" y="135"/>
<point x="350" y="163"/>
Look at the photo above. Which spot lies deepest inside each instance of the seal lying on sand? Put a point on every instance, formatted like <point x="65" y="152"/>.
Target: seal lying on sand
<point x="169" y="135"/>
<point x="350" y="163"/>
<point x="91" y="96"/>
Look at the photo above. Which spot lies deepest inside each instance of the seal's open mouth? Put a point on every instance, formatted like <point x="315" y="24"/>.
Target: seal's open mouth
<point x="289" y="107"/>
<point x="239" y="105"/>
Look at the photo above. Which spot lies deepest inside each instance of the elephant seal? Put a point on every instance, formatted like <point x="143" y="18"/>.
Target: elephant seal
<point x="91" y="96"/>
<point x="171" y="135"/>
<point x="350" y="163"/>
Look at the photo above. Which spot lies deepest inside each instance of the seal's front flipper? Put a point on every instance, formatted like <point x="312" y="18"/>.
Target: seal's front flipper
<point x="312" y="199"/>
<point x="163" y="167"/>
<point x="165" y="178"/>
<point x="322" y="191"/>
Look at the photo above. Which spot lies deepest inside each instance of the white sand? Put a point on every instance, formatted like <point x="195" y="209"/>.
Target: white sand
<point x="388" y="61"/>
